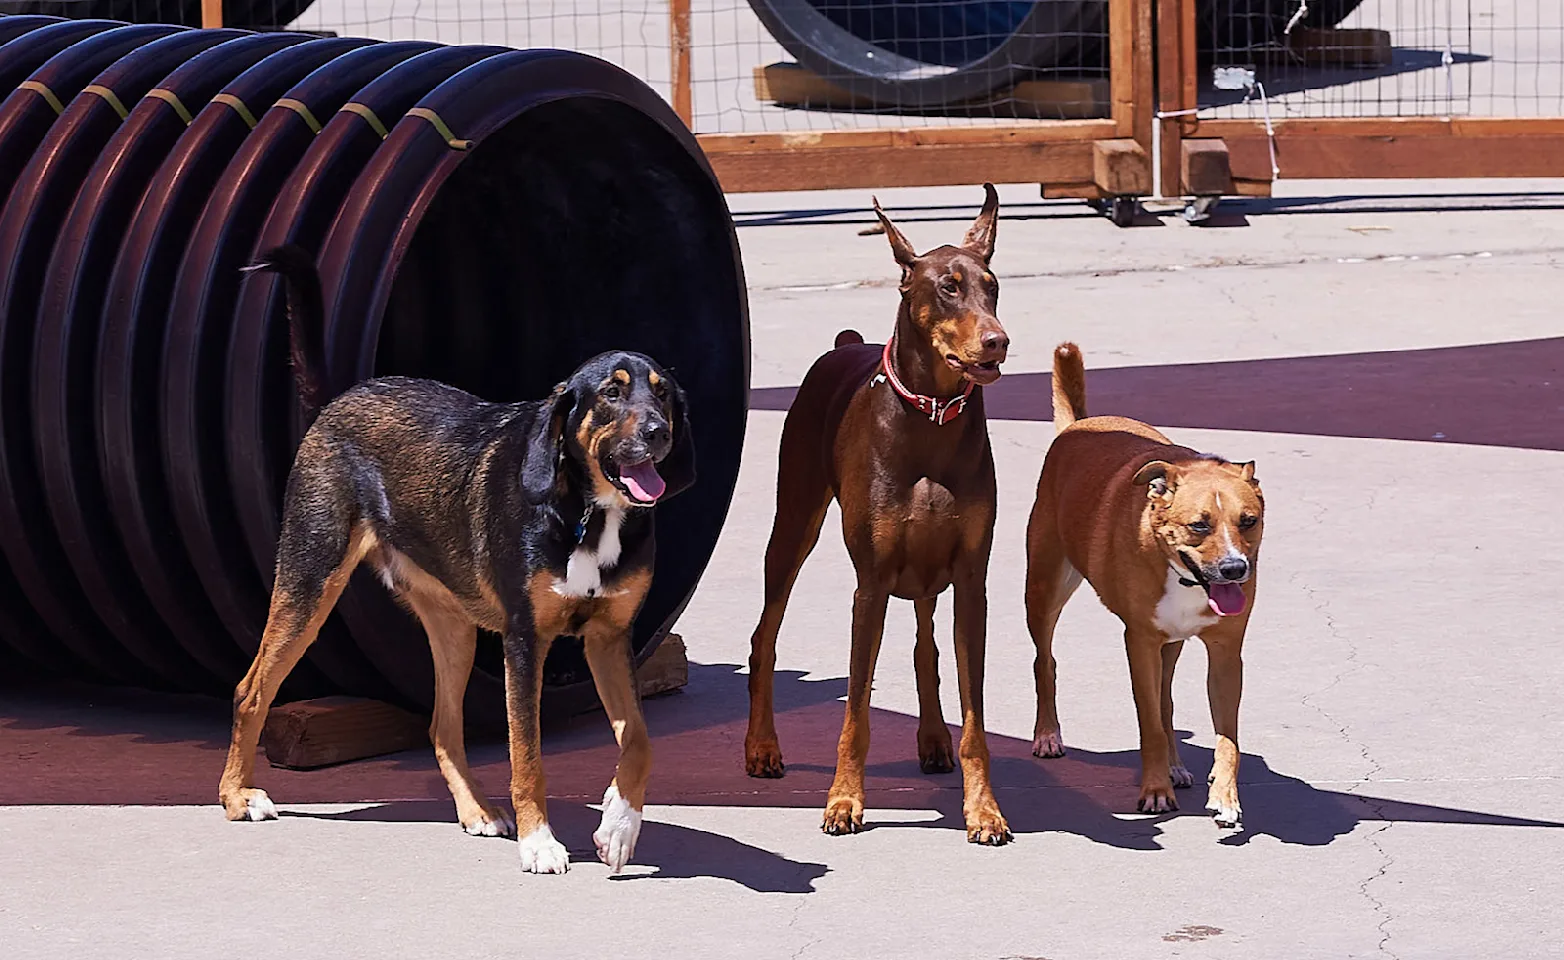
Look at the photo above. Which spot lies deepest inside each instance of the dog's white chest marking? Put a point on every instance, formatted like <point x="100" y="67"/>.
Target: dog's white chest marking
<point x="1183" y="611"/>
<point x="584" y="569"/>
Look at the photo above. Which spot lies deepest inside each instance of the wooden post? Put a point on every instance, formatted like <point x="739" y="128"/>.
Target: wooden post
<point x="1177" y="85"/>
<point x="679" y="53"/>
<point x="1131" y="75"/>
<point x="211" y="14"/>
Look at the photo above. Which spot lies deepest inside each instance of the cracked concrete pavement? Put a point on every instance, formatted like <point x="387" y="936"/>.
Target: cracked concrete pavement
<point x="1401" y="774"/>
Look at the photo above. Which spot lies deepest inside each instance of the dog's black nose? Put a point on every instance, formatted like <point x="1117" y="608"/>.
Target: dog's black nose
<point x="655" y="435"/>
<point x="1233" y="568"/>
<point x="994" y="342"/>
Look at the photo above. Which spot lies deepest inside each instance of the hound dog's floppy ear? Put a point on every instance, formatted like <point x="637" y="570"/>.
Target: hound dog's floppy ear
<point x="678" y="467"/>
<point x="540" y="469"/>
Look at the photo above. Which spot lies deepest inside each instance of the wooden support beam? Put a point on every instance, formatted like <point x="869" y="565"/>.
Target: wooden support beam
<point x="1177" y="85"/>
<point x="1205" y="171"/>
<point x="679" y="57"/>
<point x="1058" y="152"/>
<point x="212" y="14"/>
<point x="666" y="670"/>
<point x="793" y="85"/>
<point x="331" y="730"/>
<point x="1341" y="48"/>
<point x="1120" y="168"/>
<point x="1394" y="147"/>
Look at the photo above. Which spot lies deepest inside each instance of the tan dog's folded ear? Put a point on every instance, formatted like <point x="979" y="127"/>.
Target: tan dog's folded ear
<point x="1159" y="475"/>
<point x="1246" y="471"/>
<point x="981" y="235"/>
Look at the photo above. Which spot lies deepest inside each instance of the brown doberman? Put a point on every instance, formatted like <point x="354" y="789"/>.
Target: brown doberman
<point x="897" y="435"/>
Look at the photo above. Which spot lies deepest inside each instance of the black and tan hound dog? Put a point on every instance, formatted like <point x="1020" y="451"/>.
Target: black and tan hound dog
<point x="532" y="520"/>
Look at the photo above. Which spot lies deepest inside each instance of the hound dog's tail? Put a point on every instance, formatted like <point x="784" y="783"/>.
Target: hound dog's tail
<point x="306" y="321"/>
<point x="1069" y="386"/>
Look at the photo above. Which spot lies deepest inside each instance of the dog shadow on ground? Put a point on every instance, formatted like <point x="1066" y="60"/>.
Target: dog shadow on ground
<point x="81" y="745"/>
<point x="671" y="851"/>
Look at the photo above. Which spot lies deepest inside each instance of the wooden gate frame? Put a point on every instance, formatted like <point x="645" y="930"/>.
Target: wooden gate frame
<point x="1086" y="159"/>
<point x="1228" y="157"/>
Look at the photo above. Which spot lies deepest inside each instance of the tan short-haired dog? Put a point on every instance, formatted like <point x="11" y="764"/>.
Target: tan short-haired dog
<point x="1170" y="540"/>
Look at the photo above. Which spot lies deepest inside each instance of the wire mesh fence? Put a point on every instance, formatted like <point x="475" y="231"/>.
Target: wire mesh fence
<point x="816" y="65"/>
<point x="1381" y="58"/>
<point x="756" y="65"/>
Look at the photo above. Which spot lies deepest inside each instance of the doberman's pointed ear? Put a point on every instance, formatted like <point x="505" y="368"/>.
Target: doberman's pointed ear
<point x="1158" y="475"/>
<point x="678" y="467"/>
<point x="980" y="236"/>
<point x="540" y="469"/>
<point x="900" y="248"/>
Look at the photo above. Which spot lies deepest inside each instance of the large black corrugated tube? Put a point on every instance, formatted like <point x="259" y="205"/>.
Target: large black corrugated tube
<point x="483" y="216"/>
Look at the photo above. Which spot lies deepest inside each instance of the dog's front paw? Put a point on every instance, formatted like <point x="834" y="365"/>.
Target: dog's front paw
<point x="763" y="758"/>
<point x="1181" y="776"/>
<point x="619" y="830"/>
<point x="935" y="753"/>
<point x="1223" y="804"/>
<point x="541" y="853"/>
<point x="843" y="815"/>
<point x="986" y="825"/>
<point x="1048" y="743"/>
<point x="488" y="822"/>
<point x="1156" y="797"/>
<point x="250" y="804"/>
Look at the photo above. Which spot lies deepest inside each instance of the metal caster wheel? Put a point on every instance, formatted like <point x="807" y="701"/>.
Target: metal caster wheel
<point x="1200" y="208"/>
<point x="1121" y="210"/>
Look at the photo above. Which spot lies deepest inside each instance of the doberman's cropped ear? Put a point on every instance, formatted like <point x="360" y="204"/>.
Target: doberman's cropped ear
<point x="980" y="236"/>
<point x="678" y="467"/>
<point x="1158" y="475"/>
<point x="540" y="469"/>
<point x="900" y="248"/>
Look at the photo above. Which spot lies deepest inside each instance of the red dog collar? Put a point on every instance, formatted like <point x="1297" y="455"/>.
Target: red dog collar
<point x="939" y="412"/>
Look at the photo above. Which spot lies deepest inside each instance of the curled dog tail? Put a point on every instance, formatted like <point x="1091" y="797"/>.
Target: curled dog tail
<point x="846" y="337"/>
<point x="1069" y="386"/>
<point x="306" y="321"/>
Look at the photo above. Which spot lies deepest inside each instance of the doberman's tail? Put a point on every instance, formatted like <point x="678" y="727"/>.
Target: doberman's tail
<point x="306" y="321"/>
<point x="1069" y="386"/>
<point x="847" y="337"/>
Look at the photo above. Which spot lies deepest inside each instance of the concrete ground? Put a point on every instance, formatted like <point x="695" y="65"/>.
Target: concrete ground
<point x="1394" y="364"/>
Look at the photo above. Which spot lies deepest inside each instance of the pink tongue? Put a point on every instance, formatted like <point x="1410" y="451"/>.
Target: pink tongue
<point x="1226" y="599"/>
<point x="643" y="481"/>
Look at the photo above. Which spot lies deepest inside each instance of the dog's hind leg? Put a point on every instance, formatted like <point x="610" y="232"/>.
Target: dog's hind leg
<point x="802" y="498"/>
<point x="935" y="752"/>
<point x="1050" y="582"/>
<point x="315" y="556"/>
<point x="453" y="642"/>
<point x="1179" y="773"/>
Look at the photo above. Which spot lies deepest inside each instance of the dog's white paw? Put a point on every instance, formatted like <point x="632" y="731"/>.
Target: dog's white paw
<point x="1181" y="776"/>
<point x="541" y="853"/>
<point x="1227" y="814"/>
<point x="252" y="805"/>
<point x="1050" y="744"/>
<point x="619" y="830"/>
<point x="491" y="824"/>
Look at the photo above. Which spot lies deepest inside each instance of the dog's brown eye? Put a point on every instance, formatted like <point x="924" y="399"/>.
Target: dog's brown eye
<point x="951" y="287"/>
<point x="1200" y="527"/>
<point x="612" y="392"/>
<point x="1246" y="521"/>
